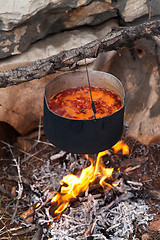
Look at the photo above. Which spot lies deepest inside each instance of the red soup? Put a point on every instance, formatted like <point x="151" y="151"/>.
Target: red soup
<point x="75" y="103"/>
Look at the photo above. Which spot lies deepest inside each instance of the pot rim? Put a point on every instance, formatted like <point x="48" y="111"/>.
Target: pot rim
<point x="66" y="72"/>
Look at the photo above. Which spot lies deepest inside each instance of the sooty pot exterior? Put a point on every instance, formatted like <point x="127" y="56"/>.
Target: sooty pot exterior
<point x="83" y="136"/>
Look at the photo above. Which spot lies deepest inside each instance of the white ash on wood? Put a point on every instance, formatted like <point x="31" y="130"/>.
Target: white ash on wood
<point x="105" y="223"/>
<point x="99" y="214"/>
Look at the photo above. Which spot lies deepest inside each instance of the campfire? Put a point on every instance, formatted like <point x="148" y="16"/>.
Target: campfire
<point x="97" y="201"/>
<point x="72" y="185"/>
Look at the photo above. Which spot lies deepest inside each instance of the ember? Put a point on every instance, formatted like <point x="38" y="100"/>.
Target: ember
<point x="121" y="146"/>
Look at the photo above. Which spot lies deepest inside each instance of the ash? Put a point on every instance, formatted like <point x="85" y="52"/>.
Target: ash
<point x="116" y="222"/>
<point x="115" y="215"/>
<point x="50" y="175"/>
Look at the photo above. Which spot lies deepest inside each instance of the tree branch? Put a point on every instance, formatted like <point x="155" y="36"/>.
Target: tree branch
<point x="115" y="40"/>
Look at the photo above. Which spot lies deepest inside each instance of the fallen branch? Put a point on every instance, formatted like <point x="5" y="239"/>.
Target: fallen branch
<point x="29" y="155"/>
<point x="58" y="155"/>
<point x="114" y="40"/>
<point x="20" y="184"/>
<point x="20" y="188"/>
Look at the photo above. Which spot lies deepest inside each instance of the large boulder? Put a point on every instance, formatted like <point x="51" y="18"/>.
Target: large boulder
<point x="56" y="43"/>
<point x="139" y="71"/>
<point x="22" y="23"/>
<point x="134" y="11"/>
<point x="21" y="106"/>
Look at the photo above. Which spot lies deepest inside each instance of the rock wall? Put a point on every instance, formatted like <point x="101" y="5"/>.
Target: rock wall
<point x="62" y="25"/>
<point x="24" y="22"/>
<point x="138" y="70"/>
<point x="19" y="20"/>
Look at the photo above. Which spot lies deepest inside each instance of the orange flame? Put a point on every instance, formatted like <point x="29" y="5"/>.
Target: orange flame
<point x="37" y="205"/>
<point x="72" y="185"/>
<point x="120" y="145"/>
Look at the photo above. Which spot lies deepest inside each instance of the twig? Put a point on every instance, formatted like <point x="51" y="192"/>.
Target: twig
<point x="90" y="229"/>
<point x="27" y="230"/>
<point x="58" y="155"/>
<point x="26" y="181"/>
<point x="39" y="135"/>
<point x="46" y="143"/>
<point x="15" y="211"/>
<point x="135" y="183"/>
<point x="20" y="184"/>
<point x="4" y="232"/>
<point x="20" y="232"/>
<point x="20" y="187"/>
<point x="11" y="146"/>
<point x="33" y="155"/>
<point x="129" y="169"/>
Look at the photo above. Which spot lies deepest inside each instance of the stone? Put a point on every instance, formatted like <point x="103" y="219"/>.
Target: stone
<point x="22" y="105"/>
<point x="135" y="10"/>
<point x="138" y="70"/>
<point x="56" y="43"/>
<point x="140" y="9"/>
<point x="22" y="24"/>
<point x="15" y="12"/>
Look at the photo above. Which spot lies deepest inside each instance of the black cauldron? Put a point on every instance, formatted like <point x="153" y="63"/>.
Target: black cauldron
<point x="83" y="136"/>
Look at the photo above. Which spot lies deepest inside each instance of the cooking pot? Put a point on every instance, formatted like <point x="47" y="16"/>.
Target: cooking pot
<point x="83" y="136"/>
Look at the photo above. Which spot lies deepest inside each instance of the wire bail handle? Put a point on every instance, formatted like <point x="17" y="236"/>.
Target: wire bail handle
<point x="89" y="84"/>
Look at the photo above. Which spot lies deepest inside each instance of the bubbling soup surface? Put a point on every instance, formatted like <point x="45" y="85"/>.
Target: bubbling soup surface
<point x="75" y="103"/>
